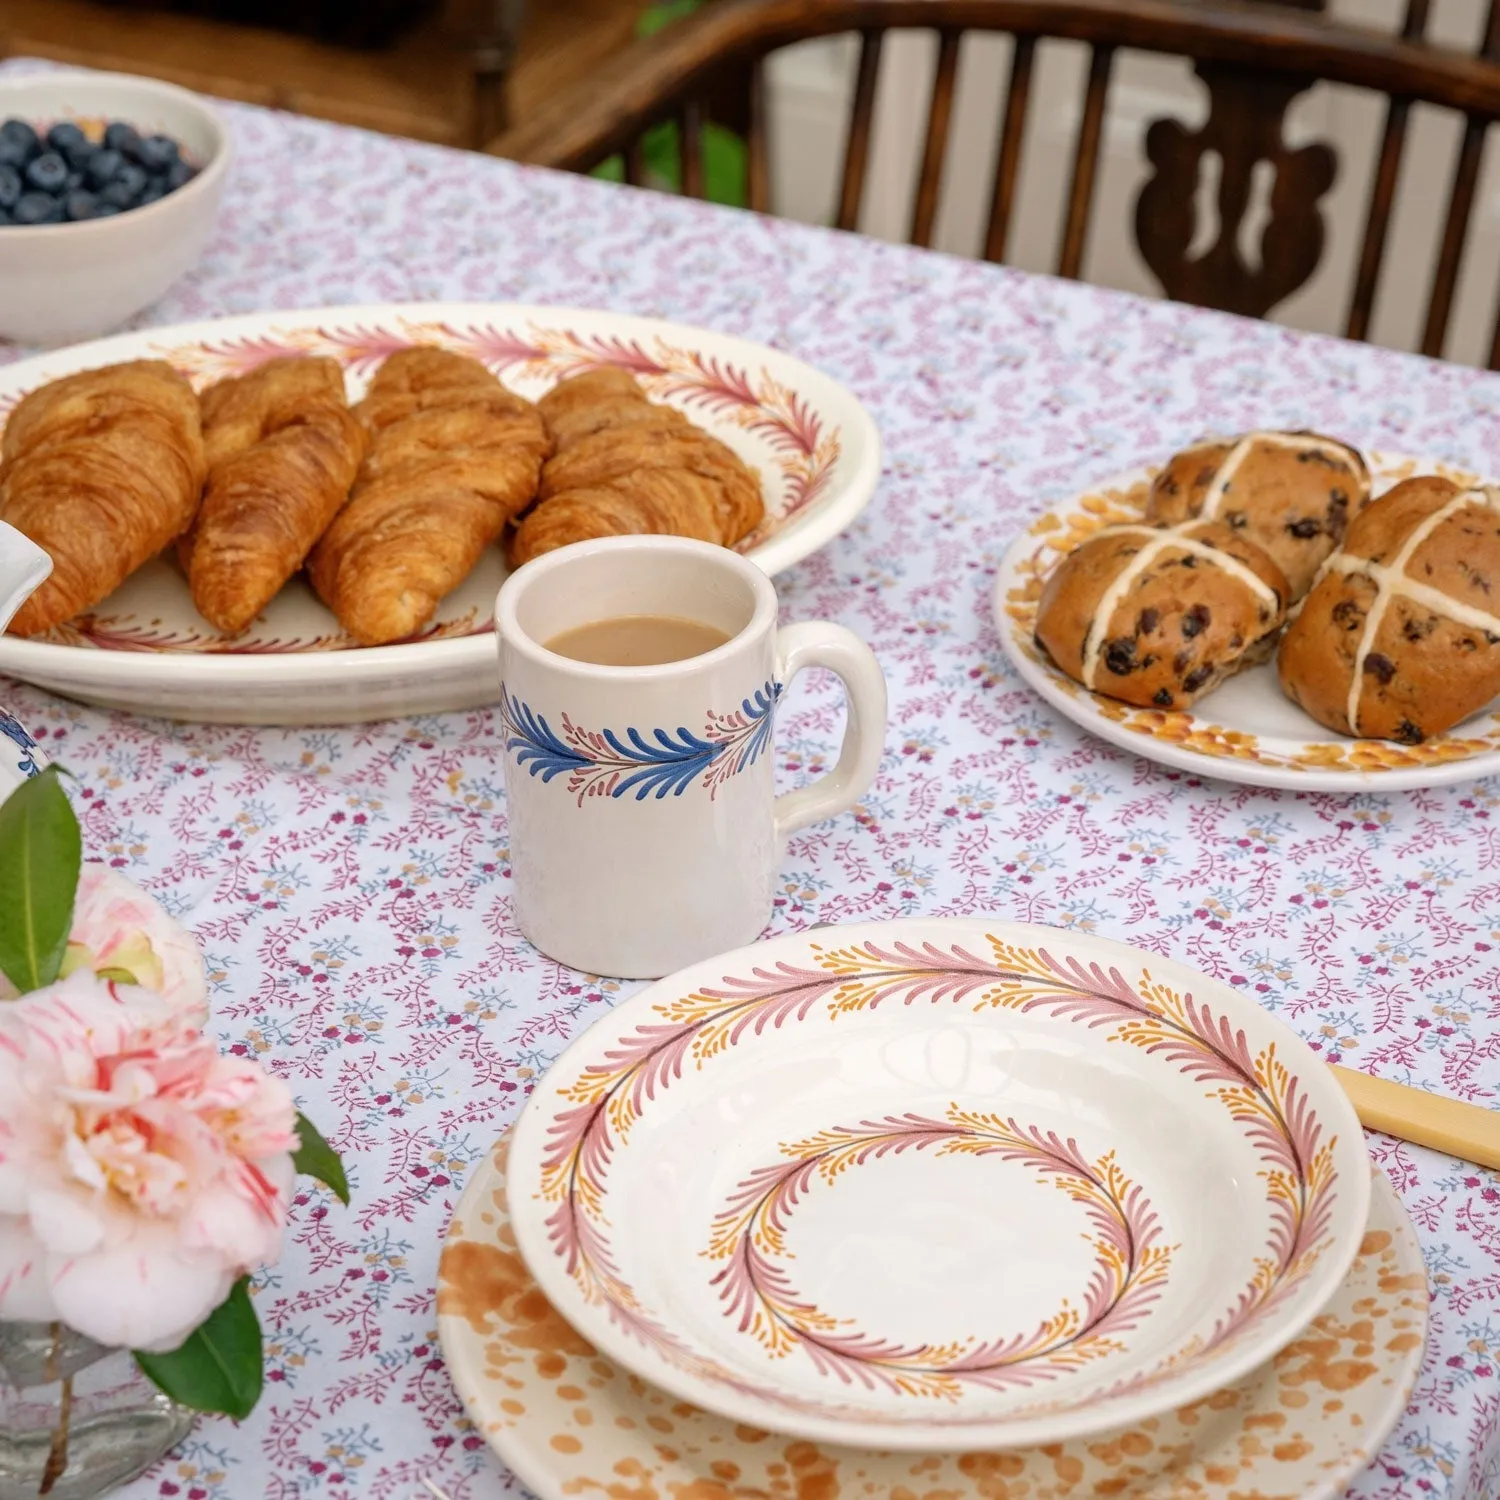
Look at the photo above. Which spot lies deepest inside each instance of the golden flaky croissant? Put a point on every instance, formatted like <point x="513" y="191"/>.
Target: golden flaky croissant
<point x="453" y="456"/>
<point x="625" y="465"/>
<point x="103" y="469"/>
<point x="283" y="449"/>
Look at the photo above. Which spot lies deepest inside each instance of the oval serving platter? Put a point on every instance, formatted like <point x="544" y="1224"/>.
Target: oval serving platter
<point x="938" y="1183"/>
<point x="146" y="648"/>
<point x="1246" y="730"/>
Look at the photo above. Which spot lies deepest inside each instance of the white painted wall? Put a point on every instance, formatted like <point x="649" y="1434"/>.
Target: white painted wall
<point x="810" y="88"/>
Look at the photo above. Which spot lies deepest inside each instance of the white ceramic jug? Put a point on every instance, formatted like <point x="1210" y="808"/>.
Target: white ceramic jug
<point x="23" y="566"/>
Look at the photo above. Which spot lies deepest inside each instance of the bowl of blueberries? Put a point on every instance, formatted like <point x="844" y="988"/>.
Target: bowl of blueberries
<point x="109" y="186"/>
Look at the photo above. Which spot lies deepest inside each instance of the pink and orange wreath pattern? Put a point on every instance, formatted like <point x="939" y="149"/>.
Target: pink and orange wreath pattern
<point x="1130" y="1261"/>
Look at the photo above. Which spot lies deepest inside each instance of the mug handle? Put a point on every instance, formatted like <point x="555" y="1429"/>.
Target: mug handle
<point x="819" y="643"/>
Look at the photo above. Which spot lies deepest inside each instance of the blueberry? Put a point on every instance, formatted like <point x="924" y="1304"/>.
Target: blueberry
<point x="80" y="155"/>
<point x="48" y="173"/>
<point x="5" y="218"/>
<point x="105" y="210"/>
<point x="122" y="137"/>
<point x="21" y="141"/>
<point x="38" y="208"/>
<point x="67" y="134"/>
<point x="75" y="180"/>
<point x="128" y="185"/>
<point x="10" y="187"/>
<point x="79" y="205"/>
<point x="179" y="174"/>
<point x="102" y="167"/>
<point x="156" y="190"/>
<point x="156" y="153"/>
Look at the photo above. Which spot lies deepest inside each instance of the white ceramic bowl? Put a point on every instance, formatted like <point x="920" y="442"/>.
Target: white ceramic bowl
<point x="62" y="282"/>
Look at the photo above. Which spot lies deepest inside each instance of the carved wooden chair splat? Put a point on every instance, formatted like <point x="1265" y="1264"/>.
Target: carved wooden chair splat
<point x="1255" y="60"/>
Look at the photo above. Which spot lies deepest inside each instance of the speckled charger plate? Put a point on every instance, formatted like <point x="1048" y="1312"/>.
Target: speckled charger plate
<point x="571" y="1423"/>
<point x="1246" y="730"/>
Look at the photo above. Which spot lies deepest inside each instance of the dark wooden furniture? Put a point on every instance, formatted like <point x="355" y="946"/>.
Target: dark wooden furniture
<point x="457" y="77"/>
<point x="1254" y="58"/>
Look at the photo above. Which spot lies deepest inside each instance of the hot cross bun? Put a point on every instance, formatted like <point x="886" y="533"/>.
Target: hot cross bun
<point x="1400" y="637"/>
<point x="1292" y="492"/>
<point x="1157" y="616"/>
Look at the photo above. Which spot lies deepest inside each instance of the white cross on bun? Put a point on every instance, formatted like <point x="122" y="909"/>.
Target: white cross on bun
<point x="1158" y="615"/>
<point x="1292" y="492"/>
<point x="1400" y="637"/>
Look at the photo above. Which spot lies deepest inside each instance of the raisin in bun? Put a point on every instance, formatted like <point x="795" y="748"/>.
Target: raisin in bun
<point x="1158" y="615"/>
<point x="1400" y="637"/>
<point x="1292" y="492"/>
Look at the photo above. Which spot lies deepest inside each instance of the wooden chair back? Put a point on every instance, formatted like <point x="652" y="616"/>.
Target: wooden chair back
<point x="1255" y="59"/>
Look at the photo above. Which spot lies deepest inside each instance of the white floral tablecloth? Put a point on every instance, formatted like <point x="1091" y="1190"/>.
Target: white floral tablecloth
<point x="350" y="886"/>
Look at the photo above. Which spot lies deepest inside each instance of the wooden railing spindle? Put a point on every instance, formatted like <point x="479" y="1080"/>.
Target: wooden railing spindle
<point x="1012" y="138"/>
<point x="939" y="113"/>
<point x="861" y="122"/>
<point x="757" y="167"/>
<point x="1383" y="191"/>
<point x="1455" y="229"/>
<point x="1460" y="206"/>
<point x="635" y="163"/>
<point x="690" y="131"/>
<point x="1085" y="163"/>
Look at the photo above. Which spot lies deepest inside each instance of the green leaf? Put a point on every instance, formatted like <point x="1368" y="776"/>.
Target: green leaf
<point x="41" y="852"/>
<point x="726" y="161"/>
<point x="663" y="13"/>
<point x="221" y="1364"/>
<point x="317" y="1159"/>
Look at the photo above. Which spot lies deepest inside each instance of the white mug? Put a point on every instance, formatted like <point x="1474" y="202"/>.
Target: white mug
<point x="645" y="833"/>
<point x="23" y="568"/>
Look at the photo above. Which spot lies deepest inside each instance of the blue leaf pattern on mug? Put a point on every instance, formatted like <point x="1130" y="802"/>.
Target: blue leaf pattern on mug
<point x="536" y="746"/>
<point x="12" y="729"/>
<point x="659" y="762"/>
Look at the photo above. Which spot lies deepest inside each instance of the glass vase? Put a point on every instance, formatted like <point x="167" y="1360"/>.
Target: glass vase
<point x="76" y="1419"/>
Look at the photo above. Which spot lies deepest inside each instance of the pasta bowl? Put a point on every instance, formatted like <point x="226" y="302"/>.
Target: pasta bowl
<point x="935" y="1184"/>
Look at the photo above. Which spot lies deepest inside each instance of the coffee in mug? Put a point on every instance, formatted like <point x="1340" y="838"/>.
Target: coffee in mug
<point x="638" y="640"/>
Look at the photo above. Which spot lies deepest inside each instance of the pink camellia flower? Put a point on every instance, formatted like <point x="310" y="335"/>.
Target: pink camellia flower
<point x="123" y="931"/>
<point x="141" y="1173"/>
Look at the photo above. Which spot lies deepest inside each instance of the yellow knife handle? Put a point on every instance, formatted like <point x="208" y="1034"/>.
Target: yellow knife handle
<point x="1468" y="1131"/>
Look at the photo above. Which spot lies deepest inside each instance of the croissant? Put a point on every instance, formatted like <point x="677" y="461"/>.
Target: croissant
<point x="102" y="469"/>
<point x="625" y="465"/>
<point x="283" y="449"/>
<point x="453" y="456"/>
